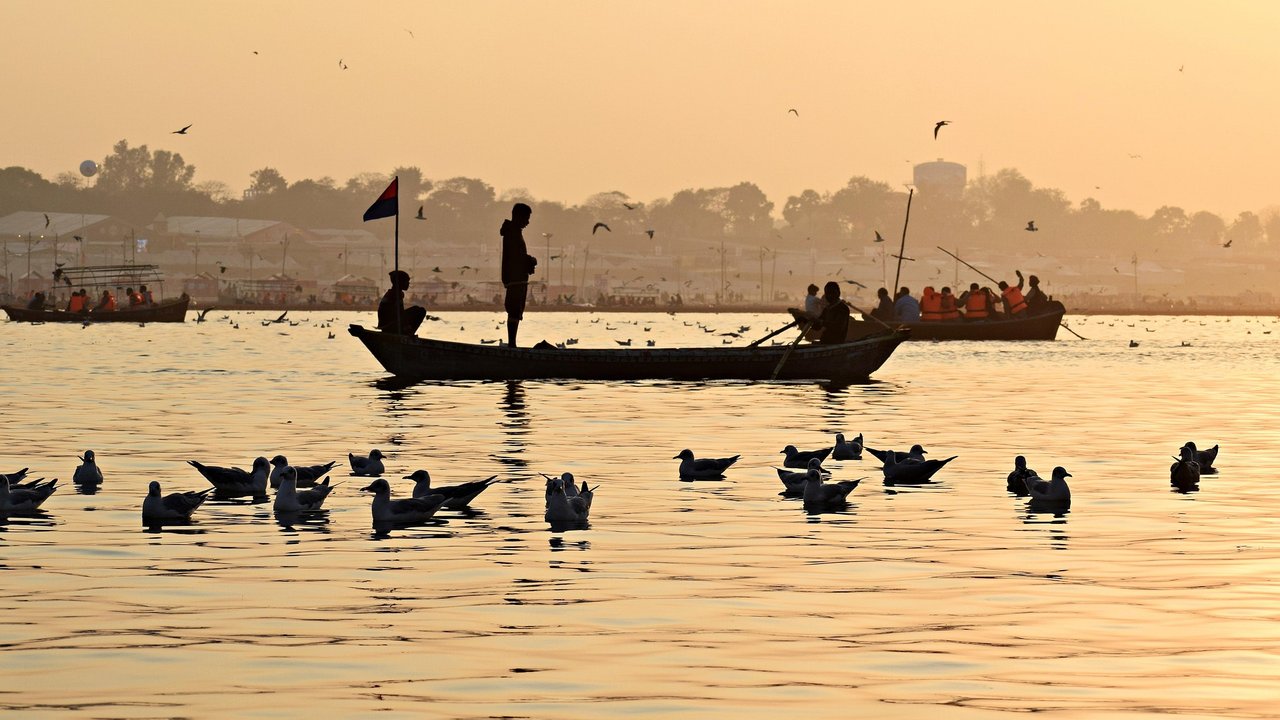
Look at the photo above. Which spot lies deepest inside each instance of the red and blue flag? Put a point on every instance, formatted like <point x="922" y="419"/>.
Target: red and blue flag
<point x="387" y="204"/>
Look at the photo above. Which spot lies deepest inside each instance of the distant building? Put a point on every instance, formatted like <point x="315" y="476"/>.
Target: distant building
<point x="940" y="178"/>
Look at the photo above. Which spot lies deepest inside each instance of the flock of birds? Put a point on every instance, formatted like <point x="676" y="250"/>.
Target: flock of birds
<point x="302" y="489"/>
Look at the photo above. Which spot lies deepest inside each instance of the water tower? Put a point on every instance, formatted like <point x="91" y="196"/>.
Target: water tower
<point x="939" y="178"/>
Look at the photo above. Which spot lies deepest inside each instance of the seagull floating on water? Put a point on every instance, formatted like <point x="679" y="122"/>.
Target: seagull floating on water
<point x="88" y="475"/>
<point x="1206" y="458"/>
<point x="847" y="450"/>
<point x="233" y="482"/>
<point x="705" y="469"/>
<point x="17" y="501"/>
<point x="563" y="509"/>
<point x="456" y="496"/>
<point x="1016" y="483"/>
<point x="1185" y="473"/>
<point x="800" y="458"/>
<point x="175" y="506"/>
<point x="911" y="471"/>
<point x="819" y="496"/>
<point x="306" y="475"/>
<point x="402" y="511"/>
<point x="1055" y="492"/>
<point x="793" y="480"/>
<point x="290" y="501"/>
<point x="367" y="466"/>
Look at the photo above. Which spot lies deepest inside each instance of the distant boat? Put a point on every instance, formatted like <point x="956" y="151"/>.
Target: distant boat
<point x="172" y="311"/>
<point x="1041" y="326"/>
<point x="414" y="358"/>
<point x="95" y="279"/>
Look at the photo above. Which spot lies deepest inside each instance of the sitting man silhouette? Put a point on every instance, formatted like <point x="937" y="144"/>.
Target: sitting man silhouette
<point x="393" y="316"/>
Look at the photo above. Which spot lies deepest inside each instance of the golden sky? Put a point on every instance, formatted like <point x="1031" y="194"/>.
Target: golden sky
<point x="571" y="98"/>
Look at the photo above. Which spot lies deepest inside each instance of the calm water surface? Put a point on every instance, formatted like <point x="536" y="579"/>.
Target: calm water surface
<point x="681" y="599"/>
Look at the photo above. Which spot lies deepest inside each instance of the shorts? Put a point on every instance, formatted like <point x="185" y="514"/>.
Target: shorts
<point x="517" y="294"/>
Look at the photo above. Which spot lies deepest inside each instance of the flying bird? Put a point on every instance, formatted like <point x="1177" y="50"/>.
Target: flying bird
<point x="878" y="238"/>
<point x="410" y="33"/>
<point x="599" y="225"/>
<point x="1226" y="244"/>
<point x="794" y="112"/>
<point x="938" y="127"/>
<point x="436" y="269"/>
<point x="420" y="216"/>
<point x="629" y="207"/>
<point x="183" y="131"/>
<point x="649" y="233"/>
<point x="46" y="219"/>
<point x="1180" y="67"/>
<point x="1031" y="226"/>
<point x="342" y="64"/>
<point x="855" y="282"/>
<point x="255" y="52"/>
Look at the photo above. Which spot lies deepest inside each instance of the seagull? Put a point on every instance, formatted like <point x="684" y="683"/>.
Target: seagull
<point x="233" y="482"/>
<point x="1031" y="226"/>
<point x="599" y="225"/>
<point x="342" y="64"/>
<point x="819" y="496"/>
<point x="564" y="509"/>
<point x="629" y="207"/>
<point x="290" y="501"/>
<point x="1133" y="343"/>
<point x="847" y="450"/>
<point x="878" y="238"/>
<point x="793" y="480"/>
<point x="436" y="269"/>
<point x="24" y="499"/>
<point x="649" y="233"/>
<point x="404" y="511"/>
<point x="938" y="127"/>
<point x="15" y="477"/>
<point x="46" y="219"/>
<point x="624" y="343"/>
<point x="367" y="466"/>
<point x="306" y="475"/>
<point x="706" y="469"/>
<point x="175" y="506"/>
<point x="410" y="33"/>
<point x="1054" y="492"/>
<point x="183" y="131"/>
<point x="200" y="316"/>
<point x="798" y="459"/>
<point x="420" y="216"/>
<point x="88" y="475"/>
<point x="1185" y="473"/>
<point x="911" y="472"/>
<point x="855" y="282"/>
<point x="570" y="487"/>
<point x="1226" y="244"/>
<point x="1206" y="458"/>
<point x="456" y="496"/>
<point x="1017" y="480"/>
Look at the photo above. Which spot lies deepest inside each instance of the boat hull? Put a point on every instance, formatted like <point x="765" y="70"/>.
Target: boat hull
<point x="1043" y="326"/>
<point x="174" y="311"/>
<point x="413" y="358"/>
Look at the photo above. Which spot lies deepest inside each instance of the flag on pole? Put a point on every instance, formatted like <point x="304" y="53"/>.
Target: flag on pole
<point x="386" y="205"/>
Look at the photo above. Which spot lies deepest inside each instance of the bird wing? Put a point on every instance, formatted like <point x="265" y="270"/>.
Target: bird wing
<point x="311" y="472"/>
<point x="219" y="475"/>
<point x="185" y="503"/>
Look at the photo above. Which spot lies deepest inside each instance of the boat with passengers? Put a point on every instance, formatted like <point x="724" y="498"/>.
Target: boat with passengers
<point x="94" y="279"/>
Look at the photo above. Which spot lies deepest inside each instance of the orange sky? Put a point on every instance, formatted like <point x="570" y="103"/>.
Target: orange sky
<point x="571" y="98"/>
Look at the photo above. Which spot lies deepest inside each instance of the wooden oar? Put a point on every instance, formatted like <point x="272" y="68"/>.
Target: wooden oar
<point x="779" y="331"/>
<point x="957" y="257"/>
<point x="787" y="354"/>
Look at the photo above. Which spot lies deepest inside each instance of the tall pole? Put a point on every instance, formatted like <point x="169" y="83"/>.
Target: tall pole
<point x="773" y="277"/>
<point x="546" y="274"/>
<point x="396" y="261"/>
<point x="903" y="246"/>
<point x="284" y="253"/>
<point x="28" y="259"/>
<point x="724" y="291"/>
<point x="763" y="250"/>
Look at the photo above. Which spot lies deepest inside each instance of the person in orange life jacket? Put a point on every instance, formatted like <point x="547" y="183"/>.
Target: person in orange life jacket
<point x="1014" y="304"/>
<point x="950" y="311"/>
<point x="107" y="303"/>
<point x="1035" y="296"/>
<point x="930" y="305"/>
<point x="79" y="302"/>
<point x="134" y="298"/>
<point x="147" y="298"/>
<point x="975" y="302"/>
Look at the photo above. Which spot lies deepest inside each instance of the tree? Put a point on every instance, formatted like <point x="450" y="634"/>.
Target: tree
<point x="131" y="170"/>
<point x="747" y="211"/>
<point x="266" y="181"/>
<point x="1247" y="229"/>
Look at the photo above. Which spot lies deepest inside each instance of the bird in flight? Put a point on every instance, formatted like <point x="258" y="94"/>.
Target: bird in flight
<point x="1134" y="157"/>
<point x="410" y="33"/>
<point x="555" y="257"/>
<point x="794" y="111"/>
<point x="420" y="216"/>
<point x="878" y="238"/>
<point x="1180" y="67"/>
<point x="1031" y="226"/>
<point x="649" y="233"/>
<point x="222" y="269"/>
<point x="599" y="225"/>
<point x="464" y="269"/>
<point x="1115" y="268"/>
<point x="255" y="52"/>
<point x="183" y="131"/>
<point x="1226" y="244"/>
<point x="938" y="127"/>
<point x="342" y="64"/>
<point x="855" y="282"/>
<point x="436" y="269"/>
<point x="46" y="219"/>
<point x="629" y="207"/>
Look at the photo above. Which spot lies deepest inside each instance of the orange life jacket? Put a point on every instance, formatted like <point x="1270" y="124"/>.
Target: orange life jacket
<point x="111" y="303"/>
<point x="975" y="306"/>
<point x="77" y="304"/>
<point x="949" y="311"/>
<point x="1017" y="305"/>
<point x="930" y="306"/>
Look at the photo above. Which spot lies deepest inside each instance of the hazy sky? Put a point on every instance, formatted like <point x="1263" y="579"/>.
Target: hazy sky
<point x="570" y="98"/>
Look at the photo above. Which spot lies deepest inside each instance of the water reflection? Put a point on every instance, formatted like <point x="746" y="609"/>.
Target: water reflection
<point x="514" y="425"/>
<point x="312" y="521"/>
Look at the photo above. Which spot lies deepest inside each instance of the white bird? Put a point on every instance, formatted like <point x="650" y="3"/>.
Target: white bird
<point x="1017" y="480"/>
<point x="456" y="496"/>
<point x="911" y="472"/>
<point x="24" y="500"/>
<point x="819" y="496"/>
<point x="1185" y="473"/>
<point x="1053" y="492"/>
<point x="563" y="509"/>
<point x="367" y="466"/>
<point x="793" y="480"/>
<point x="175" y="506"/>
<point x="233" y="482"/>
<point x="290" y="501"/>
<point x="692" y="469"/>
<point x="307" y="475"/>
<point x="402" y="511"/>
<point x="847" y="450"/>
<point x="88" y="474"/>
<point x="800" y="458"/>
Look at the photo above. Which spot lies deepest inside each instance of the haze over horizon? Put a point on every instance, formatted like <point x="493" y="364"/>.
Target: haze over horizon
<point x="574" y="98"/>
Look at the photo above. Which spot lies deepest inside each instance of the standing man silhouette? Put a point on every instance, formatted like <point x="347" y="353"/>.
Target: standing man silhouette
<point x="517" y="266"/>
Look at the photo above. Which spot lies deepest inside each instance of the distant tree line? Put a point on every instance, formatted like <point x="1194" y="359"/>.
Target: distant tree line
<point x="991" y="213"/>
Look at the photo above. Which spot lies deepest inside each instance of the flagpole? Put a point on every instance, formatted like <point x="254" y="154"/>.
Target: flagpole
<point x="400" y="304"/>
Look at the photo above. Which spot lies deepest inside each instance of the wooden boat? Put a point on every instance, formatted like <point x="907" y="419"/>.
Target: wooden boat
<point x="174" y="310"/>
<point x="414" y="358"/>
<point x="1042" y="326"/>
